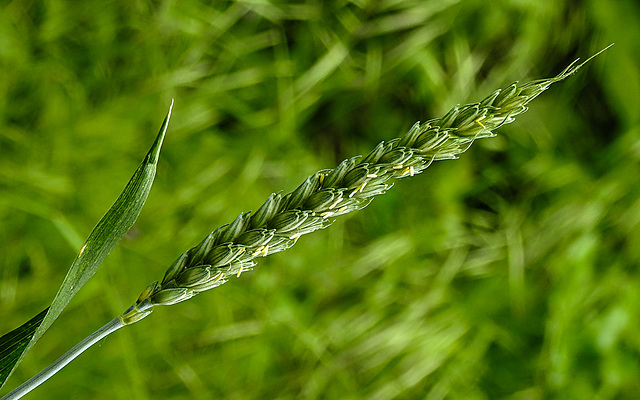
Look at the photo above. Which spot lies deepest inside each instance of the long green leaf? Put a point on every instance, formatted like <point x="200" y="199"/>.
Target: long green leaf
<point x="14" y="343"/>
<point x="104" y="237"/>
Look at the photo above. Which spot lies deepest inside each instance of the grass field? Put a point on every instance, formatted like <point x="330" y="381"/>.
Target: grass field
<point x="511" y="273"/>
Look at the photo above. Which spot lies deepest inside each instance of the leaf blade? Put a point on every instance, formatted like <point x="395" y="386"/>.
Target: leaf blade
<point x="103" y="238"/>
<point x="13" y="344"/>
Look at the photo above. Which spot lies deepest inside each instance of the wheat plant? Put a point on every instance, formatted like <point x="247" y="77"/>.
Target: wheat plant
<point x="276" y="226"/>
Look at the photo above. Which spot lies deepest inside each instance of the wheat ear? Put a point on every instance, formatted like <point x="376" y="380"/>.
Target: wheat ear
<point x="282" y="219"/>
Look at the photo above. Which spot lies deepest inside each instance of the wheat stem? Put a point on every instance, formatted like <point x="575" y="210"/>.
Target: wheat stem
<point x="57" y="365"/>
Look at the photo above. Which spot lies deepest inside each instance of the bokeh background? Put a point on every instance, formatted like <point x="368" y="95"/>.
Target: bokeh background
<point x="511" y="273"/>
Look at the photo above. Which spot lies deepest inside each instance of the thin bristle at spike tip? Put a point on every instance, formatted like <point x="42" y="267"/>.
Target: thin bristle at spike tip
<point x="330" y="193"/>
<point x="572" y="68"/>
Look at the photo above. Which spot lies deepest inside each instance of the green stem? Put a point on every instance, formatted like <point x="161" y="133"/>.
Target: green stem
<point x="57" y="365"/>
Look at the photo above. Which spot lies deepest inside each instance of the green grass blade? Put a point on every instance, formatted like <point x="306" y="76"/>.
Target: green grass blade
<point x="101" y="241"/>
<point x="14" y="343"/>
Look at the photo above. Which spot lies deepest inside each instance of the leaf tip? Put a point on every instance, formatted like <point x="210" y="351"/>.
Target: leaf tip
<point x="154" y="152"/>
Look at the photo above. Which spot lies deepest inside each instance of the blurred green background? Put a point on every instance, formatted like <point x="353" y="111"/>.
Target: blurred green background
<point x="511" y="273"/>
